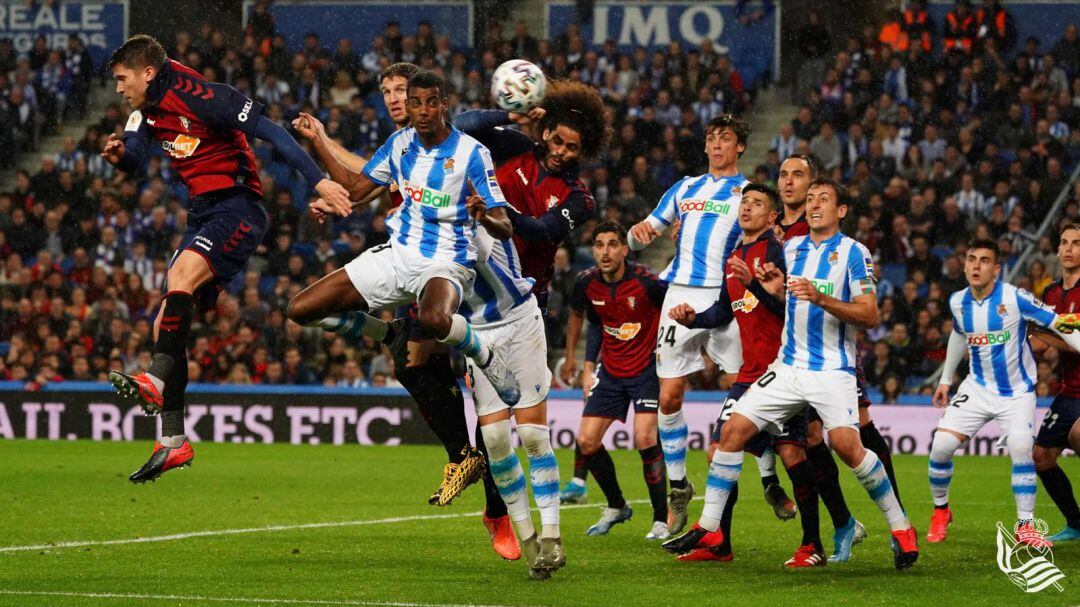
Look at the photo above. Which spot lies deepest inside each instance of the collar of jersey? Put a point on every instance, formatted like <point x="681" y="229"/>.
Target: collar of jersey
<point x="710" y="177"/>
<point x="989" y="296"/>
<point x="834" y="238"/>
<point x="446" y="148"/>
<point x="157" y="87"/>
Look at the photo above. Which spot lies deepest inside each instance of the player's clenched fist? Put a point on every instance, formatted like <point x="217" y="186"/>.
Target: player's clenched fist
<point x="683" y="314"/>
<point x="804" y="290"/>
<point x="771" y="278"/>
<point x="114" y="149"/>
<point x="738" y="268"/>
<point x="308" y="126"/>
<point x="644" y="232"/>
<point x="335" y="196"/>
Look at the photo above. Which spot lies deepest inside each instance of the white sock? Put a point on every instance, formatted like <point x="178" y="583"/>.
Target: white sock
<point x="673" y="437"/>
<point x="724" y="473"/>
<point x="543" y="474"/>
<point x="1023" y="474"/>
<point x="463" y="339"/>
<point x="508" y="475"/>
<point x="942" y="451"/>
<point x="766" y="464"/>
<point x="872" y="476"/>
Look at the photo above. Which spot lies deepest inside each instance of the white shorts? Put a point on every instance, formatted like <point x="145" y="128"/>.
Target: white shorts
<point x="524" y="348"/>
<point x="678" y="348"/>
<point x="784" y="390"/>
<point x="388" y="275"/>
<point x="974" y="405"/>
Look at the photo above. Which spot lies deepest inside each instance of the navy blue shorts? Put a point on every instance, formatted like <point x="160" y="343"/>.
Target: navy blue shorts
<point x="794" y="429"/>
<point x="224" y="227"/>
<point x="1059" y="420"/>
<point x="611" y="397"/>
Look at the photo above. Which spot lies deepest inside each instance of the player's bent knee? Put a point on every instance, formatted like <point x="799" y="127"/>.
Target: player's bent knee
<point x="847" y="445"/>
<point x="588" y="444"/>
<point x="711" y="451"/>
<point x="437" y="321"/>
<point x="1044" y="458"/>
<point x="1074" y="437"/>
<point x="736" y="432"/>
<point x="644" y="440"/>
<point x="791" y="455"/>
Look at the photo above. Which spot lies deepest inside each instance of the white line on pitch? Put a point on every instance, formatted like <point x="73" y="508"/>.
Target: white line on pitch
<point x="222" y="599"/>
<point x="265" y="529"/>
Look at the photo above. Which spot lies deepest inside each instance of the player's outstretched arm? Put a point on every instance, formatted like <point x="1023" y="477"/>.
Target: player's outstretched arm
<point x="128" y="152"/>
<point x="312" y="129"/>
<point x="862" y="310"/>
<point x="335" y="196"/>
<point x="557" y="223"/>
<point x="486" y="127"/>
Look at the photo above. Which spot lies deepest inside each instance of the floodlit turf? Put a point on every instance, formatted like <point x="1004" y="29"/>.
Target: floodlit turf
<point x="78" y="491"/>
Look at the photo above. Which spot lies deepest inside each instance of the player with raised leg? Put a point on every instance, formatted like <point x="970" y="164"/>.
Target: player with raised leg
<point x="431" y="257"/>
<point x="622" y="302"/>
<point x="707" y="209"/>
<point x="830" y="288"/>
<point x="203" y="127"/>
<point x="990" y="320"/>
<point x="1061" y="426"/>
<point x="760" y="315"/>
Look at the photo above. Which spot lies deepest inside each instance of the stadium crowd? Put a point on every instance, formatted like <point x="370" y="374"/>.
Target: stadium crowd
<point x="936" y="144"/>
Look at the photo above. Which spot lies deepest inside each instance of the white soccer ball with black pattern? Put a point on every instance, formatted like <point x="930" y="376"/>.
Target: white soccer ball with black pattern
<point x="518" y="86"/>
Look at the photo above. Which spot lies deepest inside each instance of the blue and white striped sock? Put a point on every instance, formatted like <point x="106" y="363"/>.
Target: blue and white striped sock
<point x="940" y="479"/>
<point x="872" y="476"/>
<point x="673" y="436"/>
<point x="942" y="450"/>
<point x="724" y="471"/>
<point x="1023" y="474"/>
<point x="508" y="475"/>
<point x="463" y="338"/>
<point x="543" y="474"/>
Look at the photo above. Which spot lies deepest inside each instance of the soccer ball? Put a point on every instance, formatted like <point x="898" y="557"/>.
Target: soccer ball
<point x="518" y="86"/>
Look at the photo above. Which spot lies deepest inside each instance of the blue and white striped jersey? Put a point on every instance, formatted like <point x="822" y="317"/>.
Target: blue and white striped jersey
<point x="708" y="209"/>
<point x="433" y="217"/>
<point x="995" y="330"/>
<point x="499" y="290"/>
<point x="840" y="267"/>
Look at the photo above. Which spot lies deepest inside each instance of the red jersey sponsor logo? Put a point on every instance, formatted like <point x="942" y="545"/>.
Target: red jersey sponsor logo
<point x="624" y="332"/>
<point x="181" y="147"/>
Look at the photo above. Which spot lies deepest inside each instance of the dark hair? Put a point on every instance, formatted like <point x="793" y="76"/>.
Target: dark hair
<point x="769" y="192"/>
<point x="730" y="121"/>
<point x="401" y="69"/>
<point x="579" y="107"/>
<point x="985" y="243"/>
<point x="811" y="163"/>
<point x="427" y="79"/>
<point x="1067" y="227"/>
<point x="610" y="226"/>
<point x="138" y="52"/>
<point x="842" y="195"/>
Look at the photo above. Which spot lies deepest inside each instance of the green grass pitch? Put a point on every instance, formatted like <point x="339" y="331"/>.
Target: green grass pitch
<point x="399" y="550"/>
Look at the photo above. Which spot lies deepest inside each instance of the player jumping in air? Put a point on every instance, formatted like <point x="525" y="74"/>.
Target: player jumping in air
<point x="622" y="302"/>
<point x="990" y="320"/>
<point x="830" y="286"/>
<point x="707" y="208"/>
<point x="432" y="253"/>
<point x="760" y="315"/>
<point x="1061" y="426"/>
<point x="421" y="363"/>
<point x="203" y="127"/>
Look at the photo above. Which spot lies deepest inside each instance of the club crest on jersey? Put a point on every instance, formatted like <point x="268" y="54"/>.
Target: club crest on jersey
<point x="631" y="301"/>
<point x="834" y="257"/>
<point x="736" y="190"/>
<point x="425" y="196"/>
<point x="448" y="166"/>
<point x="746" y="304"/>
<point x="624" y="332"/>
<point x="552" y="201"/>
<point x="1002" y="310"/>
<point x="181" y="147"/>
<point x="184" y="122"/>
